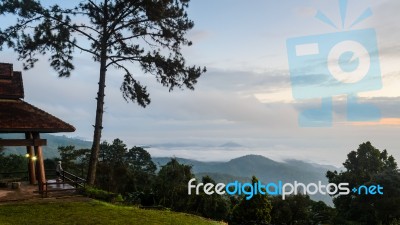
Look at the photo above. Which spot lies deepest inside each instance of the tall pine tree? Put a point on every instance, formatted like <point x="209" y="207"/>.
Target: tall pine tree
<point x="116" y="33"/>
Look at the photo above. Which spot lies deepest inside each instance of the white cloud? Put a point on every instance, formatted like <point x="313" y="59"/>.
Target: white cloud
<point x="231" y="103"/>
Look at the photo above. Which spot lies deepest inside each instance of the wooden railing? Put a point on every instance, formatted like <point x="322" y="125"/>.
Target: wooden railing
<point x="66" y="178"/>
<point x="72" y="179"/>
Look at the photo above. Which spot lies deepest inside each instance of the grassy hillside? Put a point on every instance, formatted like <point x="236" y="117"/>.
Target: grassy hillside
<point x="91" y="212"/>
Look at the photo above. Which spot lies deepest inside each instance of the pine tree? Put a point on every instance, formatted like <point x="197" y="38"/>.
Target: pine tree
<point x="116" y="33"/>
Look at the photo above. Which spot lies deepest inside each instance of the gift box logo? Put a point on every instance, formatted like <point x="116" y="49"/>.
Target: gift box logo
<point x="322" y="66"/>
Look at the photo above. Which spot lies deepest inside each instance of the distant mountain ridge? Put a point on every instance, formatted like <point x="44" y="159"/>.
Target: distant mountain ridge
<point x="253" y="164"/>
<point x="229" y="144"/>
<point x="53" y="142"/>
<point x="240" y="169"/>
<point x="265" y="169"/>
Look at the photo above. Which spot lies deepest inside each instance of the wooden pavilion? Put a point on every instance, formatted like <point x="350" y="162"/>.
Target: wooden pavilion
<point x="18" y="116"/>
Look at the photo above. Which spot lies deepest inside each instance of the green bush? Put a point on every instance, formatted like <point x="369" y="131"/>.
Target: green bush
<point x="140" y="198"/>
<point x="102" y="195"/>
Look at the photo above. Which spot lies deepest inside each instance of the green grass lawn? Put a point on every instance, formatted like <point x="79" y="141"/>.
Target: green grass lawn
<point x="91" y="212"/>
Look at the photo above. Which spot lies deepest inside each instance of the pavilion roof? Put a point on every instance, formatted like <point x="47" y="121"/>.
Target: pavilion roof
<point x="11" y="85"/>
<point x="18" y="116"/>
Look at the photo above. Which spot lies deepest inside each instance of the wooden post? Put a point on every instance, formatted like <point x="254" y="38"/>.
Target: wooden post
<point x="39" y="164"/>
<point x="31" y="163"/>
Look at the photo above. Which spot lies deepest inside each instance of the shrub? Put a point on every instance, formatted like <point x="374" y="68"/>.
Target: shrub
<point x="99" y="194"/>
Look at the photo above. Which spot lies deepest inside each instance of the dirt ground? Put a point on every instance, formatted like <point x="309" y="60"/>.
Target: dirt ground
<point x="28" y="192"/>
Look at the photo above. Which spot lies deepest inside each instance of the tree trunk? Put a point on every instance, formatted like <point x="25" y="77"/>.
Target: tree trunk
<point x="98" y="127"/>
<point x="91" y="176"/>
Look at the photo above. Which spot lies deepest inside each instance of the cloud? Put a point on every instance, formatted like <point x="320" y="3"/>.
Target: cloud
<point x="231" y="103"/>
<point x="305" y="11"/>
<point x="198" y="35"/>
<point x="222" y="104"/>
<point x="222" y="108"/>
<point x="382" y="122"/>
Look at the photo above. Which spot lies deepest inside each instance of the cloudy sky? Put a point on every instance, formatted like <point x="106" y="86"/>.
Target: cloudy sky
<point x="246" y="95"/>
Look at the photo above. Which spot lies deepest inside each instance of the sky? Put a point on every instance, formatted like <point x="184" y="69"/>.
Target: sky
<point x="246" y="95"/>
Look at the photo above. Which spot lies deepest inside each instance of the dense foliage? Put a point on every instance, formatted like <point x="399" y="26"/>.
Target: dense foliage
<point x="171" y="185"/>
<point x="255" y="211"/>
<point x="365" y="166"/>
<point x="132" y="173"/>
<point x="300" y="209"/>
<point x="211" y="206"/>
<point x="124" y="170"/>
<point x="13" y="163"/>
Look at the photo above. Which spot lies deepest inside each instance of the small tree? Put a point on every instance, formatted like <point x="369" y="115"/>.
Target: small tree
<point x="141" y="169"/>
<point x="210" y="206"/>
<point x="281" y="212"/>
<point x="171" y="185"/>
<point x="115" y="33"/>
<point x="321" y="213"/>
<point x="255" y="211"/>
<point x="124" y="171"/>
<point x="113" y="172"/>
<point x="365" y="166"/>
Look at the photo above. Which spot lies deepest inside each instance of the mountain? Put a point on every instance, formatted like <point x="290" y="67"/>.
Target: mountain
<point x="53" y="142"/>
<point x="241" y="169"/>
<point x="230" y="145"/>
<point x="265" y="169"/>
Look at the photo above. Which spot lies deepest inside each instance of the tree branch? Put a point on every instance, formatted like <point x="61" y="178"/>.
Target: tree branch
<point x="121" y="17"/>
<point x="116" y="59"/>
<point x="83" y="49"/>
<point x="132" y="22"/>
<point x="87" y="27"/>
